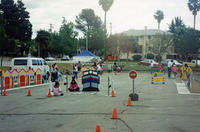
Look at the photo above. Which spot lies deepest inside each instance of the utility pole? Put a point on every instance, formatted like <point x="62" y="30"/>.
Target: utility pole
<point x="50" y="28"/>
<point x="86" y="40"/>
<point x="145" y="46"/>
<point x="110" y="28"/>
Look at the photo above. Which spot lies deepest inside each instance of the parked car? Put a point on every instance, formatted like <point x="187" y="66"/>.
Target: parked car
<point x="165" y="62"/>
<point x="65" y="57"/>
<point x="29" y="63"/>
<point x="50" y="59"/>
<point x="147" y="62"/>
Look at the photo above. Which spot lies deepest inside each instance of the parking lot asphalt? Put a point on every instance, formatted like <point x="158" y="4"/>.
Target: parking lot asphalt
<point x="159" y="109"/>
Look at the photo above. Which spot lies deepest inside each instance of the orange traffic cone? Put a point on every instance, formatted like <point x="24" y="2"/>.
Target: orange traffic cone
<point x="29" y="92"/>
<point x="98" y="128"/>
<point x="49" y="94"/>
<point x="113" y="93"/>
<point x="114" y="115"/>
<point x="4" y="92"/>
<point x="129" y="102"/>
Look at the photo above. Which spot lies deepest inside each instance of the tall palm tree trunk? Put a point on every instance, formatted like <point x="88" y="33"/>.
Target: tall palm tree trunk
<point x="158" y="25"/>
<point x="105" y="19"/>
<point x="194" y="21"/>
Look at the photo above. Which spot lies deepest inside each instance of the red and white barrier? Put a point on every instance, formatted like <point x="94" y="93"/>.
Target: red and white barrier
<point x="14" y="78"/>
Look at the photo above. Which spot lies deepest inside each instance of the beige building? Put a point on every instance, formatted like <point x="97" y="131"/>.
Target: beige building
<point x="146" y="40"/>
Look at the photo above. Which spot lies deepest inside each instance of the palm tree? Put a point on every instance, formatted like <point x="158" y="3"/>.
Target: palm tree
<point x="42" y="38"/>
<point x="159" y="16"/>
<point x="105" y="4"/>
<point x="194" y="7"/>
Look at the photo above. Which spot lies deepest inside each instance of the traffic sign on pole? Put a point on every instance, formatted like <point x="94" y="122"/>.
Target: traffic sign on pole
<point x="133" y="75"/>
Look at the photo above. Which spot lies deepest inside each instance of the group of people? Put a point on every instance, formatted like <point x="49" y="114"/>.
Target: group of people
<point x="172" y="68"/>
<point x="185" y="70"/>
<point x="80" y="68"/>
<point x="57" y="91"/>
<point x="55" y="73"/>
<point x="115" y="68"/>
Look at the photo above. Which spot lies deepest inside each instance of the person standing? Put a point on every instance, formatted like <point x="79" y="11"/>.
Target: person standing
<point x="188" y="73"/>
<point x="79" y="66"/>
<point x="75" y="71"/>
<point x="169" y="65"/>
<point x="151" y="67"/>
<point x="174" y="70"/>
<point x="161" y="68"/>
<point x="115" y="68"/>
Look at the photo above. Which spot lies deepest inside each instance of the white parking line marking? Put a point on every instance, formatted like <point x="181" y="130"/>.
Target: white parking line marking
<point x="182" y="89"/>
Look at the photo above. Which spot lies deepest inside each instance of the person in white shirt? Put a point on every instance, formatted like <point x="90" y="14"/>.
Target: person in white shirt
<point x="151" y="67"/>
<point x="169" y="65"/>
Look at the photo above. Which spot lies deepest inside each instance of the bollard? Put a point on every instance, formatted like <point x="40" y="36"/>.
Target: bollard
<point x="109" y="86"/>
<point x="66" y="82"/>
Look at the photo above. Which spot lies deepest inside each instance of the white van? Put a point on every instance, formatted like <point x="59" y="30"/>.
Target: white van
<point x="28" y="63"/>
<point x="194" y="61"/>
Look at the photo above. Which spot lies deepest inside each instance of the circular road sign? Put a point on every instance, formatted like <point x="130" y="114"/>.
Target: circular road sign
<point x="132" y="74"/>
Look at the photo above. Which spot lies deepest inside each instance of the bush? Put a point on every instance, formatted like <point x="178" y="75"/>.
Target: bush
<point x="150" y="56"/>
<point x="137" y="57"/>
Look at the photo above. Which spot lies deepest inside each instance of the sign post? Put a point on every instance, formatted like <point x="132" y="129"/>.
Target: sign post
<point x="134" y="96"/>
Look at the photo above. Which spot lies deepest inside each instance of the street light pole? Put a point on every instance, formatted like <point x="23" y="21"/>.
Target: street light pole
<point x="86" y="40"/>
<point x="1" y="17"/>
<point x="1" y="71"/>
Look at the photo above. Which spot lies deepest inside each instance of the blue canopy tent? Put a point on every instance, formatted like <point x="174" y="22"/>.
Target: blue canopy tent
<point x="85" y="56"/>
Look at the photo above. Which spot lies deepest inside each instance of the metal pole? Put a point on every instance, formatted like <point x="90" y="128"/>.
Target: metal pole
<point x="87" y="40"/>
<point x="108" y="86"/>
<point x="133" y="86"/>
<point x="66" y="82"/>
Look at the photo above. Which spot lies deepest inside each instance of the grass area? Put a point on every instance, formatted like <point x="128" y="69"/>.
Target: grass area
<point x="130" y="65"/>
<point x="127" y="66"/>
<point x="64" y="67"/>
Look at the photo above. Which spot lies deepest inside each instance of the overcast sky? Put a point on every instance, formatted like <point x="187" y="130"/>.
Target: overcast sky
<point x="124" y="14"/>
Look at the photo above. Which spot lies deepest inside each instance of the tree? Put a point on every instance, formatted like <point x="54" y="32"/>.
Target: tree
<point x="112" y="45"/>
<point x="126" y="46"/>
<point x="68" y="38"/>
<point x="187" y="42"/>
<point x="43" y="38"/>
<point x="177" y="22"/>
<point x="17" y="24"/>
<point x="92" y="28"/>
<point x="10" y="16"/>
<point x="24" y="25"/>
<point x="117" y="44"/>
<point x="55" y="46"/>
<point x="105" y="4"/>
<point x="160" y="44"/>
<point x="17" y="21"/>
<point x="159" y="16"/>
<point x="194" y="7"/>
